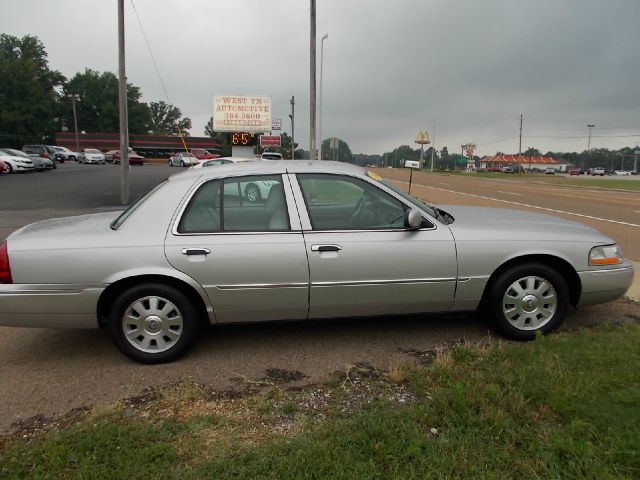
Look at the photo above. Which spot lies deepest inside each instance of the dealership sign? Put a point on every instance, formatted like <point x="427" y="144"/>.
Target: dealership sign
<point x="269" y="140"/>
<point x="238" y="113"/>
<point x="276" y="124"/>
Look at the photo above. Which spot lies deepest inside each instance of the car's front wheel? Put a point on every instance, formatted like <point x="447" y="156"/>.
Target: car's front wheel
<point x="153" y="323"/>
<point x="527" y="299"/>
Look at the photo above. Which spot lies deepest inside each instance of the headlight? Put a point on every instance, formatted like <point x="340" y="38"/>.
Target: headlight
<point x="605" y="255"/>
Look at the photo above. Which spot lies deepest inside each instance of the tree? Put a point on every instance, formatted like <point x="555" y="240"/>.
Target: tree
<point x="285" y="145"/>
<point x="223" y="138"/>
<point x="28" y="96"/>
<point x="342" y="154"/>
<point x="97" y="109"/>
<point x="532" y="152"/>
<point x="167" y="120"/>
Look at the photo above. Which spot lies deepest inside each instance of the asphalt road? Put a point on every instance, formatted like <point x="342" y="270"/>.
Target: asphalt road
<point x="48" y="372"/>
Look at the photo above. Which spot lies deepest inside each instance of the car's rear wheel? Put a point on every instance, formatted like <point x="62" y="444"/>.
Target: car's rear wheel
<point x="153" y="323"/>
<point x="527" y="299"/>
<point x="8" y="168"/>
<point x="252" y="192"/>
<point x="182" y="164"/>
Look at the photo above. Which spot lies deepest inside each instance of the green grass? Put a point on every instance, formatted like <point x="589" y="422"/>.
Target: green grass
<point x="582" y="181"/>
<point x="565" y="406"/>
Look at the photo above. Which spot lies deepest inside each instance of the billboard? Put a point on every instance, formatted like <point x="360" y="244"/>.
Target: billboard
<point x="269" y="140"/>
<point x="241" y="113"/>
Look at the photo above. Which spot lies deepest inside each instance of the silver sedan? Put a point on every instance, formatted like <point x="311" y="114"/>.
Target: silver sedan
<point x="329" y="240"/>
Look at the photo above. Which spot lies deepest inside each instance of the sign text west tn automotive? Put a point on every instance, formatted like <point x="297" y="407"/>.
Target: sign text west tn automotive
<point x="239" y="113"/>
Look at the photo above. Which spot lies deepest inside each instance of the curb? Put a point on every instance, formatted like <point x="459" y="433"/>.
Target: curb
<point x="634" y="290"/>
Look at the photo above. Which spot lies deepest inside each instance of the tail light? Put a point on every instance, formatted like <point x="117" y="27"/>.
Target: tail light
<point x="45" y="155"/>
<point x="5" y="269"/>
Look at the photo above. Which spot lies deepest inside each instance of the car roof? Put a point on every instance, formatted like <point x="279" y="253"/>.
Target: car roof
<point x="272" y="167"/>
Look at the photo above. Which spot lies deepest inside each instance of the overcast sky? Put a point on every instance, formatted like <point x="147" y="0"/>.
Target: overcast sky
<point x="391" y="67"/>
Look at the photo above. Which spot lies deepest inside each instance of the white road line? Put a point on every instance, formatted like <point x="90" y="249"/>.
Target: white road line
<point x="442" y="183"/>
<point x="511" y="193"/>
<point x="526" y="205"/>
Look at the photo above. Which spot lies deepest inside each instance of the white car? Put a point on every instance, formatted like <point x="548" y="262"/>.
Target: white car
<point x="16" y="161"/>
<point x="214" y="162"/>
<point x="622" y="172"/>
<point x="91" y="155"/>
<point x="598" y="171"/>
<point x="183" y="159"/>
<point x="63" y="153"/>
<point x="271" y="156"/>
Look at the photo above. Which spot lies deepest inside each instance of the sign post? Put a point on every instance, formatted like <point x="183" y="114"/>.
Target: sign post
<point x="422" y="139"/>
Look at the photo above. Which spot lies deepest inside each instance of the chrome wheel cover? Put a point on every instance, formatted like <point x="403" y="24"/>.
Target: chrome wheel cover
<point x="529" y="303"/>
<point x="152" y="324"/>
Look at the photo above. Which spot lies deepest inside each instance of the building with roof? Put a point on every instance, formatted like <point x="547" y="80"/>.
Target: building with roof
<point x="527" y="162"/>
<point x="147" y="145"/>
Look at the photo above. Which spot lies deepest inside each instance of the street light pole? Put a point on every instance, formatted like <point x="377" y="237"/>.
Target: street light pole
<point x="590" y="126"/>
<point x="433" y="142"/>
<point x="312" y="86"/>
<point x="324" y="37"/>
<point x="75" y="97"/>
<point x="122" y="94"/>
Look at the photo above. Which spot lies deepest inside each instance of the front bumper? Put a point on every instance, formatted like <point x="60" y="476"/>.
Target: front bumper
<point x="24" y="168"/>
<point x="49" y="306"/>
<point x="601" y="286"/>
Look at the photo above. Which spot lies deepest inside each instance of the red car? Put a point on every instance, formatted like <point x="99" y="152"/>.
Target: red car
<point x="574" y="171"/>
<point x="134" y="158"/>
<point x="202" y="154"/>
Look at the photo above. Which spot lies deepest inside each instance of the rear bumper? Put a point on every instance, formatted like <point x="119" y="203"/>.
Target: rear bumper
<point x="49" y="306"/>
<point x="601" y="286"/>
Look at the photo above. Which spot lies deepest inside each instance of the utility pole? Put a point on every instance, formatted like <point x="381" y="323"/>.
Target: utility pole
<point x="292" y="117"/>
<point x="324" y="37"/>
<point x="75" y="97"/>
<point x="520" y="148"/>
<point x="312" y="87"/>
<point x="433" y="143"/>
<point x="590" y="126"/>
<point x="122" y="93"/>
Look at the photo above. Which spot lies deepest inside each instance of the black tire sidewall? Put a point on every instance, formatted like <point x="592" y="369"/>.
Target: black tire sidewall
<point x="189" y="314"/>
<point x="503" y="282"/>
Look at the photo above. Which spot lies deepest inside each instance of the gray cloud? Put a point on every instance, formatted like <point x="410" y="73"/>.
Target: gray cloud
<point x="390" y="67"/>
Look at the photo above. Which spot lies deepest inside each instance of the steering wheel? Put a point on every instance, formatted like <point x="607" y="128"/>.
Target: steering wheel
<point x="357" y="212"/>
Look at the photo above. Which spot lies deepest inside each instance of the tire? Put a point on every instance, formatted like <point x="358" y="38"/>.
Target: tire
<point x="527" y="299"/>
<point x="252" y="192"/>
<point x="170" y="164"/>
<point x="167" y="327"/>
<point x="72" y="157"/>
<point x="8" y="169"/>
<point x="182" y="164"/>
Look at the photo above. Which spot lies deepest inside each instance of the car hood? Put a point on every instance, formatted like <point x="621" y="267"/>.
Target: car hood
<point x="62" y="232"/>
<point x="482" y="223"/>
<point x="16" y="158"/>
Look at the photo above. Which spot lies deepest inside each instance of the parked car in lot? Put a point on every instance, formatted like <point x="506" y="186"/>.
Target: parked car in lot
<point x="62" y="154"/>
<point x="91" y="155"/>
<point x="193" y="251"/>
<point x="549" y="171"/>
<point x="202" y="154"/>
<point x="44" y="151"/>
<point x="575" y="171"/>
<point x="271" y="156"/>
<point x="623" y="173"/>
<point x="134" y="158"/>
<point x="183" y="159"/>
<point x="108" y="156"/>
<point x="16" y="161"/>
<point x="598" y="171"/>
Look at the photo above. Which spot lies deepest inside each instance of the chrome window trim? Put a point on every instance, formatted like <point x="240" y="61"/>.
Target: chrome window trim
<point x="307" y="220"/>
<point x="285" y="181"/>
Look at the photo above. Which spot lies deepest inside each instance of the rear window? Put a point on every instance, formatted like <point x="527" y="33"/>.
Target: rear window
<point x="132" y="208"/>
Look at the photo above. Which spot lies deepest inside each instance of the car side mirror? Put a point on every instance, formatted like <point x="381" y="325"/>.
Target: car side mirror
<point x="412" y="218"/>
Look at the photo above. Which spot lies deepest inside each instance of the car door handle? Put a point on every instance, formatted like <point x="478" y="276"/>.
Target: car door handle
<point x="196" y="251"/>
<point x="325" y="248"/>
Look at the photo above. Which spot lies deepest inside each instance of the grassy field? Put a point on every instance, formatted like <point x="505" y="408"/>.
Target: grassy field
<point x="582" y="181"/>
<point x="565" y="406"/>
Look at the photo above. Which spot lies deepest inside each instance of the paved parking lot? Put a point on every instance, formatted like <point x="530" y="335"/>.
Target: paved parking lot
<point x="45" y="371"/>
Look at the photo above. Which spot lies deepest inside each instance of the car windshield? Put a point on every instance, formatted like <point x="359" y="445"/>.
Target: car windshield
<point x="272" y="156"/>
<point x="132" y="208"/>
<point x="15" y="153"/>
<point x="92" y="150"/>
<point x="418" y="203"/>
